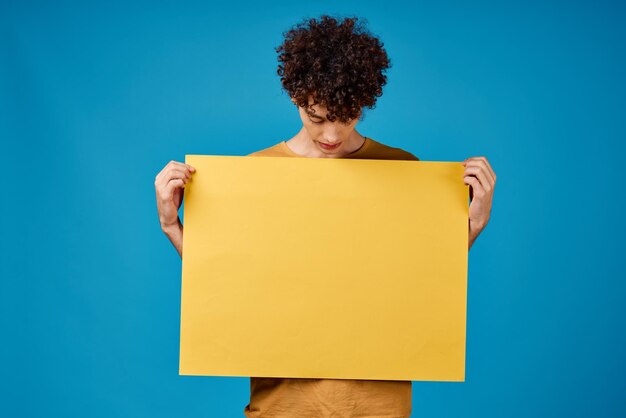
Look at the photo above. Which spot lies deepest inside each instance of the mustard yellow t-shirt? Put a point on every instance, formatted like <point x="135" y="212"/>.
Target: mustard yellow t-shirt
<point x="320" y="398"/>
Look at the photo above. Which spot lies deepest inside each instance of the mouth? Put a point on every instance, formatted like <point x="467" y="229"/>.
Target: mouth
<point x="329" y="146"/>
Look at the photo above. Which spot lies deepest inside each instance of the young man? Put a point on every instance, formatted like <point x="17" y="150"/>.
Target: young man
<point x="332" y="70"/>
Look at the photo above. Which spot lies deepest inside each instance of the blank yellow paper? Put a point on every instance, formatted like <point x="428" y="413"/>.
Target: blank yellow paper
<point x="324" y="268"/>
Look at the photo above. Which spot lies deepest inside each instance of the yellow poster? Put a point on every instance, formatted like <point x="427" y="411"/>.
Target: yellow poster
<point x="324" y="268"/>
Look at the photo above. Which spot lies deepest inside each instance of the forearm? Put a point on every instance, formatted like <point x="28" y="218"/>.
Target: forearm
<point x="474" y="232"/>
<point x="471" y="238"/>
<point x="175" y="235"/>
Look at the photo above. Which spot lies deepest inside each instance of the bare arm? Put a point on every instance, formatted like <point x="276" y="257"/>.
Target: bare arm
<point x="473" y="234"/>
<point x="175" y="235"/>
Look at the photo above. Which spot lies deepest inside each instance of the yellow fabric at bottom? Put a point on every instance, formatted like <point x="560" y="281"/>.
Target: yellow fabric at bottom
<point x="303" y="398"/>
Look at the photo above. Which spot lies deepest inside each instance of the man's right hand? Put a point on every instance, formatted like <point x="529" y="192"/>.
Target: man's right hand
<point x="170" y="186"/>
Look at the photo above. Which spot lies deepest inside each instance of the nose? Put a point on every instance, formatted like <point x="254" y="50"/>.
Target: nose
<point x="331" y="136"/>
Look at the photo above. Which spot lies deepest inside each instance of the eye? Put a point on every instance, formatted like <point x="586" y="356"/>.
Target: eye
<point x="317" y="123"/>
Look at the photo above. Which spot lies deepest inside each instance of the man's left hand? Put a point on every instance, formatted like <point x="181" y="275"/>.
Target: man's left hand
<point x="482" y="180"/>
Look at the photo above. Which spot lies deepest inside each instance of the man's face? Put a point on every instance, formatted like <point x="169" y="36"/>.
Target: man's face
<point x="329" y="137"/>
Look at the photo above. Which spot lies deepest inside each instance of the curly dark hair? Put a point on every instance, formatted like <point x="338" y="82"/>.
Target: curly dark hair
<point x="341" y="65"/>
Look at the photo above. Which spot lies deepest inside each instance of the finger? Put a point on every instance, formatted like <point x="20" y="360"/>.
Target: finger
<point x="486" y="163"/>
<point x="175" y="183"/>
<point x="182" y="165"/>
<point x="493" y="173"/>
<point x="167" y="192"/>
<point x="174" y="165"/>
<point x="481" y="165"/>
<point x="171" y="174"/>
<point x="178" y="173"/>
<point x="175" y="173"/>
<point x="479" y="172"/>
<point x="477" y="189"/>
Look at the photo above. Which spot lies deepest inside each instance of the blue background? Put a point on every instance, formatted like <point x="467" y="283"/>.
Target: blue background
<point x="95" y="99"/>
